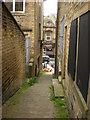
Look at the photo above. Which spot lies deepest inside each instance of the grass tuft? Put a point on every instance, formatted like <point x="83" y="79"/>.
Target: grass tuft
<point x="42" y="72"/>
<point x="28" y="82"/>
<point x="52" y="97"/>
<point x="60" y="104"/>
<point x="54" y="76"/>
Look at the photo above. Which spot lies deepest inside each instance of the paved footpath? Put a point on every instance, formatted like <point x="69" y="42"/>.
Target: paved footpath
<point x="34" y="103"/>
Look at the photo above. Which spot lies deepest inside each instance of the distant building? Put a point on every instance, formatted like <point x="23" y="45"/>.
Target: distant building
<point x="29" y="16"/>
<point x="49" y="36"/>
<point x="73" y="20"/>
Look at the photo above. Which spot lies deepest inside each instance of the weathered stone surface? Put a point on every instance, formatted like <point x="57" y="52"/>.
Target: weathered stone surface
<point x="58" y="89"/>
<point x="31" y="22"/>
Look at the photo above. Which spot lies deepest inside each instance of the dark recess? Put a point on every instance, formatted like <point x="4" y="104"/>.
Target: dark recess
<point x="72" y="49"/>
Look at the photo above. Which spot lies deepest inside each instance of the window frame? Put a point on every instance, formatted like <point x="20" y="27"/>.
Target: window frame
<point x="48" y="36"/>
<point x="14" y="11"/>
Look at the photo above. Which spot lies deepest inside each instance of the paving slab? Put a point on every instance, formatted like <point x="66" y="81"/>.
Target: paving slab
<point x="58" y="89"/>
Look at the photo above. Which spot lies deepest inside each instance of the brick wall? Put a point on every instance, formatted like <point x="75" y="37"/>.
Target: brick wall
<point x="70" y="11"/>
<point x="13" y="55"/>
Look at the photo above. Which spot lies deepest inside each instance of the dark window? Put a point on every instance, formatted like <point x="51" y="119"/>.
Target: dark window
<point x="39" y="31"/>
<point x="19" y="6"/>
<point x="48" y="38"/>
<point x="48" y="35"/>
<point x="9" y="5"/>
<point x="72" y="49"/>
<point x="38" y="62"/>
<point x="83" y="68"/>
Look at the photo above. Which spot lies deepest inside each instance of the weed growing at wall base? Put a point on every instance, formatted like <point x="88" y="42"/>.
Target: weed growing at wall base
<point x="42" y="72"/>
<point x="54" y="76"/>
<point x="59" y="104"/>
<point x="28" y="82"/>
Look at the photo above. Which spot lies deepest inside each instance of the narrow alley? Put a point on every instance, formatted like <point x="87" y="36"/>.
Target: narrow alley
<point x="44" y="59"/>
<point x="34" y="102"/>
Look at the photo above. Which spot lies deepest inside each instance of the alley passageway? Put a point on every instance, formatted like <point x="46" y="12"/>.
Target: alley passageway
<point x="34" y="102"/>
<point x="40" y="35"/>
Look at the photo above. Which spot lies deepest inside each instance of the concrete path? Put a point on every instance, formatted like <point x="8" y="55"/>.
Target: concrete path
<point x="34" y="103"/>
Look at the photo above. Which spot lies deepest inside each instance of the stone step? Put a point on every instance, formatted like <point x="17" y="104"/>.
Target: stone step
<point x="59" y="79"/>
<point x="58" y="89"/>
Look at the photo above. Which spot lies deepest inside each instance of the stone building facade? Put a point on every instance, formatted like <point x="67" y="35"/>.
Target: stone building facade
<point x="0" y="60"/>
<point x="13" y="55"/>
<point x="29" y="16"/>
<point x="49" y="37"/>
<point x="73" y="21"/>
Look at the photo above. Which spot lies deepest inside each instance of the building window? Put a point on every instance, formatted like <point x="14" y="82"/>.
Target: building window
<point x="83" y="67"/>
<point x="81" y="47"/>
<point x="48" y="37"/>
<point x="19" y="6"/>
<point x="15" y="5"/>
<point x="39" y="31"/>
<point x="72" y="49"/>
<point x="49" y="24"/>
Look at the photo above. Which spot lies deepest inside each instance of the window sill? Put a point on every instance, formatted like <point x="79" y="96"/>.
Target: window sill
<point x="48" y="40"/>
<point x="80" y="98"/>
<point x="21" y="13"/>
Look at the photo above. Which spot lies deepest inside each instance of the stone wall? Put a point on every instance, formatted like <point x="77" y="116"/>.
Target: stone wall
<point x="76" y="103"/>
<point x="36" y="37"/>
<point x="13" y="55"/>
<point x="26" y="23"/>
<point x="29" y="23"/>
<point x="0" y="60"/>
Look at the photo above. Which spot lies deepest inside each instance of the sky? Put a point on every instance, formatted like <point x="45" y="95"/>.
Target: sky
<point x="50" y="6"/>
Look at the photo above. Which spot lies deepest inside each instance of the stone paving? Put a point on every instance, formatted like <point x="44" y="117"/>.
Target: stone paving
<point x="58" y="89"/>
<point x="34" y="103"/>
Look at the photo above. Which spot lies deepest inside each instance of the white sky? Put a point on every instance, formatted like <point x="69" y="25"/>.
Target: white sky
<point x="50" y="6"/>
